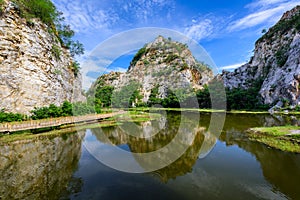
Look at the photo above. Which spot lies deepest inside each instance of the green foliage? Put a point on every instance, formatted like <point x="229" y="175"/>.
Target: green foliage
<point x="76" y="48"/>
<point x="203" y="97"/>
<point x="56" y="51"/>
<point x="146" y="62"/>
<point x="171" y="57"/>
<point x="236" y="98"/>
<point x="171" y="101"/>
<point x="153" y="98"/>
<point x="126" y="96"/>
<point x="245" y="99"/>
<point x="201" y="66"/>
<point x="42" y="9"/>
<point x="47" y="112"/>
<point x="11" y="117"/>
<point x="103" y="95"/>
<point x="184" y="66"/>
<point x="138" y="55"/>
<point x="81" y="108"/>
<point x="66" y="109"/>
<point x="75" y="67"/>
<point x="48" y="14"/>
<point x="1" y="4"/>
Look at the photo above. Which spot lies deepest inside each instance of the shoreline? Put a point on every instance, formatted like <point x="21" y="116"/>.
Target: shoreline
<point x="284" y="138"/>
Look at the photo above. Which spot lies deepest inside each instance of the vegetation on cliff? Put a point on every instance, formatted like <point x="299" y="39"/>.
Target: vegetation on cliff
<point x="46" y="11"/>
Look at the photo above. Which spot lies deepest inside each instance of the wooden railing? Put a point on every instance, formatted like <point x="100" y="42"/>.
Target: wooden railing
<point x="51" y="122"/>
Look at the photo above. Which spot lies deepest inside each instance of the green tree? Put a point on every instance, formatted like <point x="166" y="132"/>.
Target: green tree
<point x="126" y="96"/>
<point x="104" y="94"/>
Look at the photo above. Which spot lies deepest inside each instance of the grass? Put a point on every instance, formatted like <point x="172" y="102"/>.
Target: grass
<point x="280" y="137"/>
<point x="214" y="110"/>
<point x="276" y="130"/>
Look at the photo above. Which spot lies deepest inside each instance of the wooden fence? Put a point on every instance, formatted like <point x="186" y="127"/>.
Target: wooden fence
<point x="51" y="122"/>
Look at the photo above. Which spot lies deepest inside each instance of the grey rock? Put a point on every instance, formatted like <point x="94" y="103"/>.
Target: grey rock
<point x="30" y="76"/>
<point x="281" y="80"/>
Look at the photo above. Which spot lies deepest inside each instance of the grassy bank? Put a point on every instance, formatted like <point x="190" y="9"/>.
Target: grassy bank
<point x="285" y="138"/>
<point x="206" y="110"/>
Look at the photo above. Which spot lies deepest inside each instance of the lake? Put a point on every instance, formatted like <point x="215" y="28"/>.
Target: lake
<point x="190" y="161"/>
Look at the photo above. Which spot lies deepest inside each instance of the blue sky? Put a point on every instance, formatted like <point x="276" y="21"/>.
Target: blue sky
<point x="226" y="29"/>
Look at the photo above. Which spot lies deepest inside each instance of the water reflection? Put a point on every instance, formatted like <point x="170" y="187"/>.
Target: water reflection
<point x="235" y="168"/>
<point x="40" y="169"/>
<point x="163" y="131"/>
<point x="281" y="169"/>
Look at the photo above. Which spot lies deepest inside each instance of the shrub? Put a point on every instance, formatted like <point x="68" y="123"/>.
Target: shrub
<point x="171" y="57"/>
<point x="138" y="55"/>
<point x="11" y="117"/>
<point x="75" y="67"/>
<point x="56" y="51"/>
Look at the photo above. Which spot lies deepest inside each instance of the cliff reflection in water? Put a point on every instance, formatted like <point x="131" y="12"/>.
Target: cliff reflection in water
<point x="154" y="135"/>
<point x="281" y="169"/>
<point x="40" y="169"/>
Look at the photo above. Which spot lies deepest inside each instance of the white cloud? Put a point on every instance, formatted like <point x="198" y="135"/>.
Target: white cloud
<point x="199" y="30"/>
<point x="233" y="66"/>
<point x="83" y="17"/>
<point x="267" y="12"/>
<point x="264" y="3"/>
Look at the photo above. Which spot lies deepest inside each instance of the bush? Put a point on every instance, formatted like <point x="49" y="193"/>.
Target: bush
<point x="138" y="55"/>
<point x="47" y="112"/>
<point x="11" y="117"/>
<point x="66" y="109"/>
<point x="75" y="67"/>
<point x="56" y="52"/>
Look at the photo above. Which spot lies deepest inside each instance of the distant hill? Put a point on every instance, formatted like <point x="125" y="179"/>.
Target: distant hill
<point x="158" y="70"/>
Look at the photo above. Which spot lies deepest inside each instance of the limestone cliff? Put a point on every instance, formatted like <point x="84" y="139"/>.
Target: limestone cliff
<point x="165" y="64"/>
<point x="35" y="70"/>
<point x="276" y="62"/>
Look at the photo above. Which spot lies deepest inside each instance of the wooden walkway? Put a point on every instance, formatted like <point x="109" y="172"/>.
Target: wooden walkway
<point x="52" y="122"/>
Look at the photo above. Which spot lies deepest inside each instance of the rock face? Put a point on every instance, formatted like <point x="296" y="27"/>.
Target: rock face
<point x="35" y="70"/>
<point x="163" y="63"/>
<point x="276" y="62"/>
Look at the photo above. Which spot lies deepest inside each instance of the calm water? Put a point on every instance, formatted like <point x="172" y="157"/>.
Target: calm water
<point x="226" y="166"/>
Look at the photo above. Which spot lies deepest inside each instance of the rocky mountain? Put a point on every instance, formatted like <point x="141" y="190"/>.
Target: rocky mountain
<point x="161" y="65"/>
<point x="35" y="69"/>
<point x="276" y="64"/>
